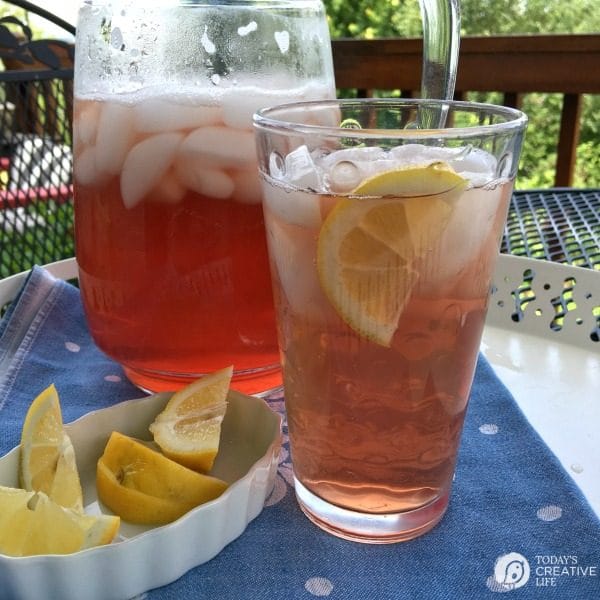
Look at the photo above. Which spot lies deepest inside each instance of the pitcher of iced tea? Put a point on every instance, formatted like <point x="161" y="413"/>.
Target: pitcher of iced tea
<point x="169" y="228"/>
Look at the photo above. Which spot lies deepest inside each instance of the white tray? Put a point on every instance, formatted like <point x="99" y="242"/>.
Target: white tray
<point x="553" y="374"/>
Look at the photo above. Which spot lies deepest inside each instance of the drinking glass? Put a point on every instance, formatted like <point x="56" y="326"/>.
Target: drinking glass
<point x="382" y="237"/>
<point x="169" y="226"/>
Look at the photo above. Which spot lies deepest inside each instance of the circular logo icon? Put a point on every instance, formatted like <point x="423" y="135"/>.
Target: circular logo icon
<point x="511" y="571"/>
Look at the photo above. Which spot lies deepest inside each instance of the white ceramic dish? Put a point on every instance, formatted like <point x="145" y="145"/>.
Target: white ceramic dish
<point x="143" y="558"/>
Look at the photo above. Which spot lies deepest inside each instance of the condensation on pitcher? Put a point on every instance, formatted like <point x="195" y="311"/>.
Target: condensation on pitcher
<point x="206" y="42"/>
<point x="577" y="468"/>
<point x="283" y="41"/>
<point x="247" y="29"/>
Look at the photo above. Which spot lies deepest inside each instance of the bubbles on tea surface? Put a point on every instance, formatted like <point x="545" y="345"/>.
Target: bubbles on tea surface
<point x="247" y="29"/>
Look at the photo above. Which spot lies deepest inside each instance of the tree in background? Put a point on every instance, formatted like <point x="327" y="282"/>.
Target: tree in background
<point x="370" y="19"/>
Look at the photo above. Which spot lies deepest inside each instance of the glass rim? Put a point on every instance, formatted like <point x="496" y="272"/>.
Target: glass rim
<point x="266" y="118"/>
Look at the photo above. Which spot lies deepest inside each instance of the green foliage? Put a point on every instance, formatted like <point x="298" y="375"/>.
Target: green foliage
<point x="484" y="17"/>
<point x="367" y="19"/>
<point x="402" y="18"/>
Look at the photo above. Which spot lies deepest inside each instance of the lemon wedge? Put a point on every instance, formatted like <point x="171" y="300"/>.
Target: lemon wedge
<point x="31" y="524"/>
<point x="188" y="430"/>
<point x="368" y="247"/>
<point x="47" y="461"/>
<point x="143" y="486"/>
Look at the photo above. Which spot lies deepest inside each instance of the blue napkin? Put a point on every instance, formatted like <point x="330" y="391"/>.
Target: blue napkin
<point x="517" y="523"/>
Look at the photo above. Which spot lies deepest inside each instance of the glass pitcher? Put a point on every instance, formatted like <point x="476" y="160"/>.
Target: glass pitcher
<point x="170" y="238"/>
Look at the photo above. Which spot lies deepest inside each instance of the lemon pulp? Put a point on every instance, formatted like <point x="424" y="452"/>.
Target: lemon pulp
<point x="47" y="461"/>
<point x="368" y="247"/>
<point x="188" y="430"/>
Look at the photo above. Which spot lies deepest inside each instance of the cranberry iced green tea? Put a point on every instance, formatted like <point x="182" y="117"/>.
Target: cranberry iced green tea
<point x="169" y="226"/>
<point x="170" y="234"/>
<point x="382" y="258"/>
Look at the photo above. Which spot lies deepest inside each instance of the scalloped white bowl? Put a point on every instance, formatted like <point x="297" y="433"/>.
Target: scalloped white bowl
<point x="143" y="558"/>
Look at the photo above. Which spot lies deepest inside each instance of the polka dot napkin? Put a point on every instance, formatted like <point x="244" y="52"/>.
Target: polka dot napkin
<point x="517" y="524"/>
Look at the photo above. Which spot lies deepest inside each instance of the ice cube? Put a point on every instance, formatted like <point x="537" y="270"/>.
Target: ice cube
<point x="169" y="189"/>
<point x="221" y="147"/>
<point x="239" y="105"/>
<point x="202" y="178"/>
<point x="421" y="155"/>
<point x="247" y="186"/>
<point x="463" y="238"/>
<point x="358" y="156"/>
<point x="476" y="165"/>
<point x="345" y="169"/>
<point x="300" y="170"/>
<point x="344" y="177"/>
<point x="85" y="125"/>
<point x="292" y="206"/>
<point x="155" y="115"/>
<point x="293" y="257"/>
<point x="114" y="138"/>
<point x="85" y="170"/>
<point x="145" y="165"/>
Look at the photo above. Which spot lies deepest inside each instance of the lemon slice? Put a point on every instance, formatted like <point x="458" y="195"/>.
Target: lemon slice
<point x="189" y="428"/>
<point x="47" y="462"/>
<point x="31" y="523"/>
<point x="143" y="486"/>
<point x="368" y="248"/>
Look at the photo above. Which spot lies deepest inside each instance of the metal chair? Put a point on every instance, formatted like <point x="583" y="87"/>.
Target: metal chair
<point x="36" y="106"/>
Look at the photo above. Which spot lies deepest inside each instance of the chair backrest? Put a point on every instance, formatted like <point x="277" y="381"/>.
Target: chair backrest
<point x="36" y="108"/>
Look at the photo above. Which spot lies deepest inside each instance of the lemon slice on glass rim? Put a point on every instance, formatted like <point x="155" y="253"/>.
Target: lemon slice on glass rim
<point x="368" y="247"/>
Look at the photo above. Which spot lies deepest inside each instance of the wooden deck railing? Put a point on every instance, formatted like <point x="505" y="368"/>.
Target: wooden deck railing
<point x="514" y="65"/>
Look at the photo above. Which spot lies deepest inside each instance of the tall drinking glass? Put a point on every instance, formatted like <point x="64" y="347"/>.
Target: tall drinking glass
<point x="382" y="238"/>
<point x="169" y="225"/>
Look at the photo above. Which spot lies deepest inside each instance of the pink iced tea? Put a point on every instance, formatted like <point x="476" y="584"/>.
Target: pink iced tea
<point x="170" y="236"/>
<point x="374" y="428"/>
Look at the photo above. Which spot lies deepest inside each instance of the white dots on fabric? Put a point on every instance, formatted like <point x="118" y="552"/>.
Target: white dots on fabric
<point x="489" y="429"/>
<point x="112" y="378"/>
<point x="318" y="586"/>
<point x="72" y="347"/>
<point x="549" y="513"/>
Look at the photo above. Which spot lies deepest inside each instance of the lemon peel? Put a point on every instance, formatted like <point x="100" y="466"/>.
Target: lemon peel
<point x="143" y="486"/>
